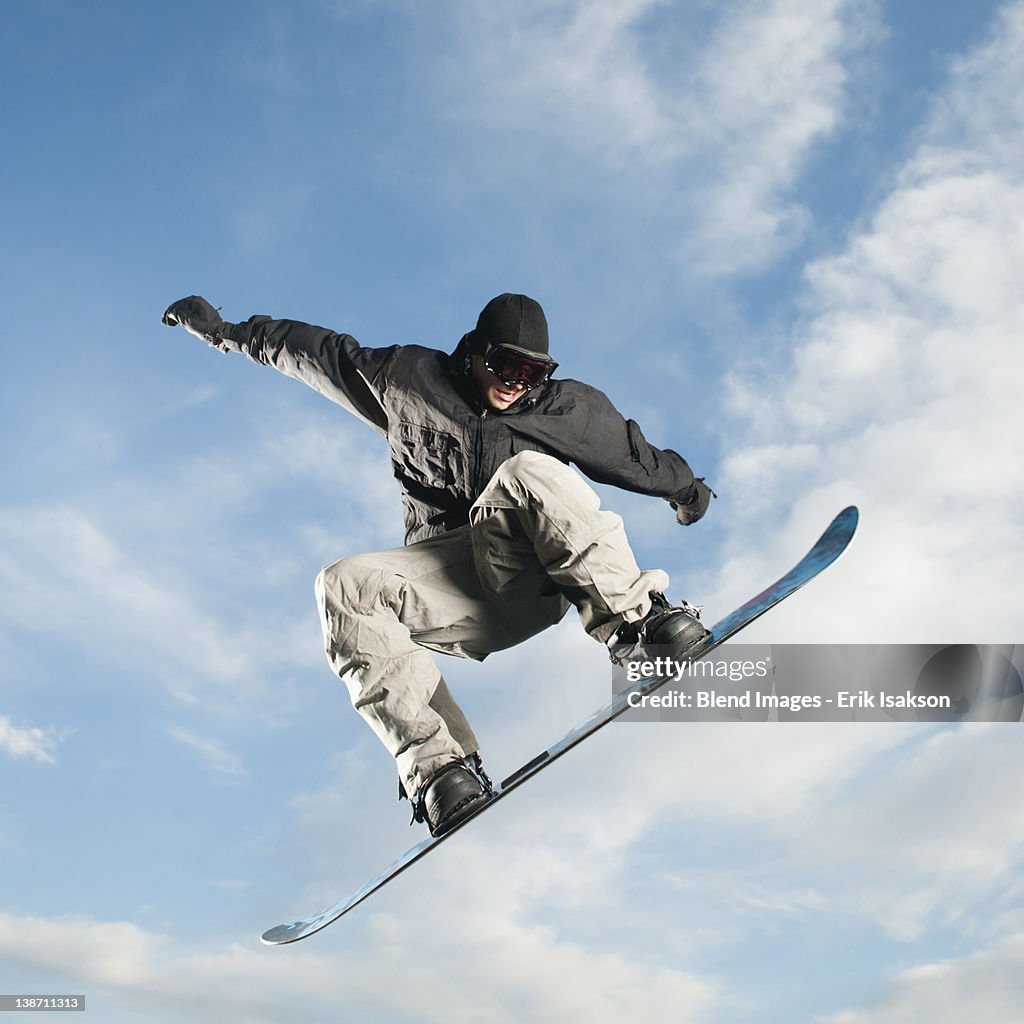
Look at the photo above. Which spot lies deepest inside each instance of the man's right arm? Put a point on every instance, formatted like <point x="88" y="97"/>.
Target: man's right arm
<point x="333" y="364"/>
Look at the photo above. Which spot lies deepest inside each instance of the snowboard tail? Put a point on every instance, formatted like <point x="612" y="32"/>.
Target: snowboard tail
<point x="829" y="547"/>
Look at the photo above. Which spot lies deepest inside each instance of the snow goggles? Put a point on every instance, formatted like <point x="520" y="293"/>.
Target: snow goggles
<point x="511" y="366"/>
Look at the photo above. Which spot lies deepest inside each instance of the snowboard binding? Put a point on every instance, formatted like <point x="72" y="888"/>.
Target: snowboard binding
<point x="675" y="627"/>
<point x="453" y="793"/>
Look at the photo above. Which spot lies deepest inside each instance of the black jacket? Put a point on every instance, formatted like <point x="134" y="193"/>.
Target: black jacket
<point x="445" y="442"/>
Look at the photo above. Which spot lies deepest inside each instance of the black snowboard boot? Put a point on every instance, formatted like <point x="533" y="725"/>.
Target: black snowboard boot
<point x="678" y="629"/>
<point x="452" y="794"/>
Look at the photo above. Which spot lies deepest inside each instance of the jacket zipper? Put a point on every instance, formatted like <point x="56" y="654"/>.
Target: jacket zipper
<point x="478" y="459"/>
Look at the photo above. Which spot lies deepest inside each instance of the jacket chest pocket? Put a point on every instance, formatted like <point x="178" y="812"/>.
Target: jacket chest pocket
<point x="426" y="455"/>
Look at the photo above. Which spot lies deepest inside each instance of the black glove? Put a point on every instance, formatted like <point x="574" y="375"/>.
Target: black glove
<point x="695" y="505"/>
<point x="197" y="316"/>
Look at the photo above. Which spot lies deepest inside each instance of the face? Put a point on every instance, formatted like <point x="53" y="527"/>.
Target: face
<point x="496" y="392"/>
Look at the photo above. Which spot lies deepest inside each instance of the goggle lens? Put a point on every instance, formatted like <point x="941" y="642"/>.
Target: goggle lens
<point x="514" y="368"/>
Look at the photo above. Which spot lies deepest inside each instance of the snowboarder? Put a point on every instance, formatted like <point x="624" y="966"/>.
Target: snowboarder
<point x="502" y="536"/>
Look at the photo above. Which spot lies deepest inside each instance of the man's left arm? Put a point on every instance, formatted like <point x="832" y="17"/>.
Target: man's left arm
<point x="613" y="450"/>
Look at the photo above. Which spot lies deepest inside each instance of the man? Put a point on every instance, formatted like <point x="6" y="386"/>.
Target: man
<point x="501" y="535"/>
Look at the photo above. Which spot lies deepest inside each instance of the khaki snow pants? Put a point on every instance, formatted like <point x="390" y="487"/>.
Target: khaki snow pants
<point x="537" y="541"/>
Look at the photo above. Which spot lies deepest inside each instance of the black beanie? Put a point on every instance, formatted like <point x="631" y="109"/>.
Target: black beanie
<point x="511" y="320"/>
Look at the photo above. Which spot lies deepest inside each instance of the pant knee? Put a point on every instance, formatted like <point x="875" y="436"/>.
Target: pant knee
<point x="352" y="584"/>
<point x="530" y="464"/>
<point x="531" y="479"/>
<point x="532" y="473"/>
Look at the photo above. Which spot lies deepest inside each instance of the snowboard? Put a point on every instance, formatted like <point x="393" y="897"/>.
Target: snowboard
<point x="829" y="547"/>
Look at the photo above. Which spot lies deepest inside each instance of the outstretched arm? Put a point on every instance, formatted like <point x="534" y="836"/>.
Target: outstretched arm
<point x="613" y="450"/>
<point x="333" y="364"/>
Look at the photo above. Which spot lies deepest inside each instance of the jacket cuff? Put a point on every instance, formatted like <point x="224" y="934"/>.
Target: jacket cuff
<point x="684" y="497"/>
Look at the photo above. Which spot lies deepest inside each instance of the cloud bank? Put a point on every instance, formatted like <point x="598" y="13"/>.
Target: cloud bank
<point x="899" y="393"/>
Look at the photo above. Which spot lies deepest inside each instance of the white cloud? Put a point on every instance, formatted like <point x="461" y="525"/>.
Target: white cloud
<point x="33" y="742"/>
<point x="161" y="570"/>
<point x="218" y="761"/>
<point x="900" y="394"/>
<point x="770" y="88"/>
<point x="506" y="971"/>
<point x="574" y="70"/>
<point x="942" y="848"/>
<point x="710" y="125"/>
<point x="985" y="986"/>
<point x="562" y="841"/>
<point x="65" y="575"/>
<point x="819" y="799"/>
<point x="114" y="953"/>
<point x="825" y="831"/>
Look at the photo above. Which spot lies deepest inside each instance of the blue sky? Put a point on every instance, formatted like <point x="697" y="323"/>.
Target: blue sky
<point x="785" y="237"/>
